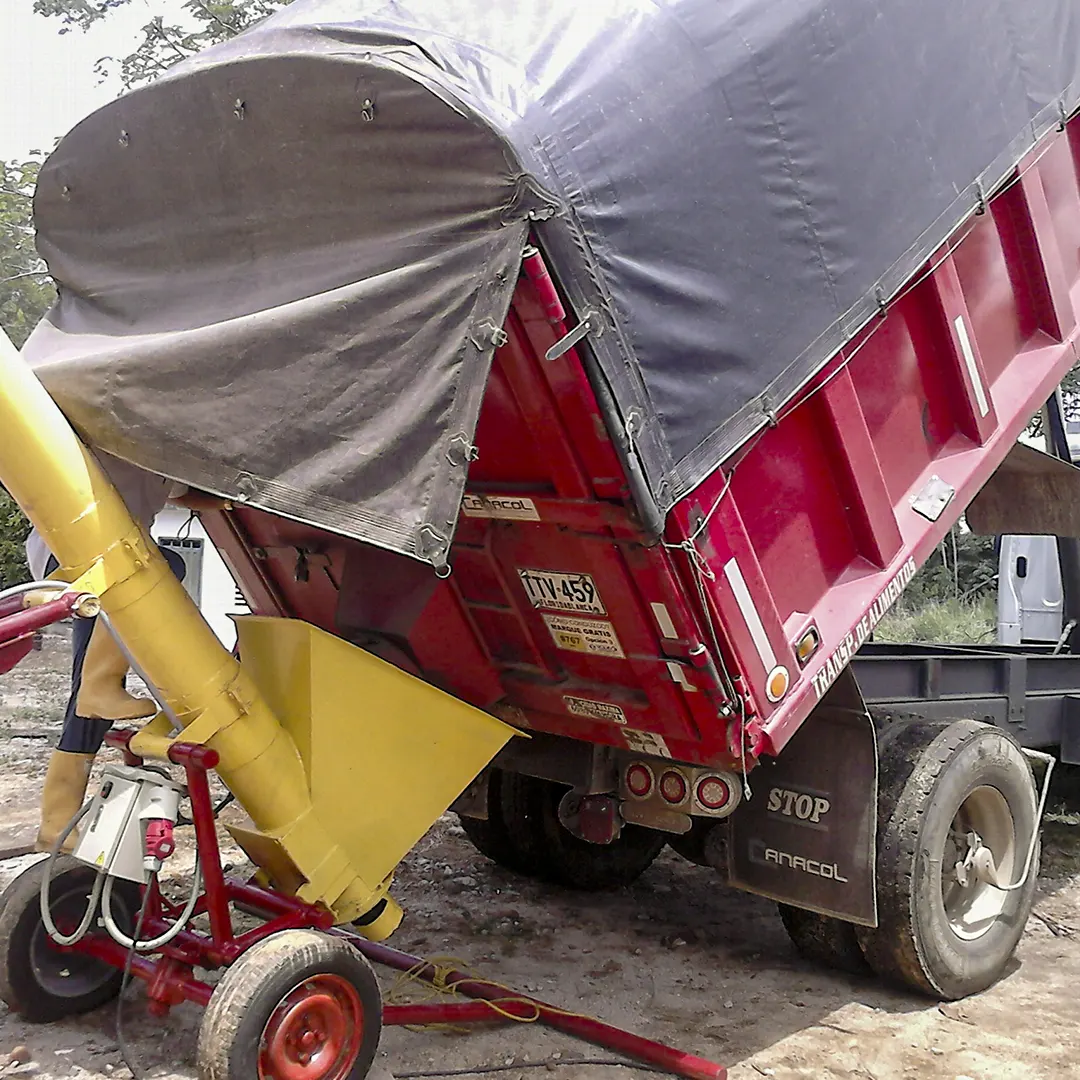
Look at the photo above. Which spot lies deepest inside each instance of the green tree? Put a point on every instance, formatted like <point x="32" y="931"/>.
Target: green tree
<point x="26" y="293"/>
<point x="164" y="43"/>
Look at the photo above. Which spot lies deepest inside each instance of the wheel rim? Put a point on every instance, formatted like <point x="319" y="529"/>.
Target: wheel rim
<point x="315" y="1032"/>
<point x="64" y="973"/>
<point x="972" y="904"/>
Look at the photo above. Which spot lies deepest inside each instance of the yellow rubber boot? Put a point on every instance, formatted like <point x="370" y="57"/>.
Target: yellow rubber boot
<point x="101" y="693"/>
<point x="62" y="797"/>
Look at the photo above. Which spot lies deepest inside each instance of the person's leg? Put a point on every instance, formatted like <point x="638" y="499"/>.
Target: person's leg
<point x="175" y="561"/>
<point x="102" y="694"/>
<point x="69" y="766"/>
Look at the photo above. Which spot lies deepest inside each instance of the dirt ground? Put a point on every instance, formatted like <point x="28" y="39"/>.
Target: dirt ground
<point x="677" y="957"/>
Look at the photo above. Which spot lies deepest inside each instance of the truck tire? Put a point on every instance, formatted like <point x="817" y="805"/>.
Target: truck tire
<point x="939" y="783"/>
<point x="691" y="845"/>
<point x="523" y="834"/>
<point x="824" y="940"/>
<point x="491" y="837"/>
<point x="512" y="836"/>
<point x="39" y="981"/>
<point x="577" y="864"/>
<point x="299" y="1003"/>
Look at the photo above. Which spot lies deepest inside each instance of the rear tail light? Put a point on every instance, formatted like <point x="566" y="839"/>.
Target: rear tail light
<point x="639" y="780"/>
<point x="673" y="787"/>
<point x="776" y="686"/>
<point x="713" y="792"/>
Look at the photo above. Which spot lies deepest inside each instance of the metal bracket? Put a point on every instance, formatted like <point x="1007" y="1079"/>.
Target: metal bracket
<point x="590" y="323"/>
<point x="461" y="445"/>
<point x="935" y="495"/>
<point x="979" y="862"/>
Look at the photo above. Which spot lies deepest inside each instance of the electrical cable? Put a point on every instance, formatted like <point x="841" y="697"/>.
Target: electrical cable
<point x="163" y="939"/>
<point x="35" y="586"/>
<point x="154" y="943"/>
<point x="126" y="978"/>
<point x="46" y="886"/>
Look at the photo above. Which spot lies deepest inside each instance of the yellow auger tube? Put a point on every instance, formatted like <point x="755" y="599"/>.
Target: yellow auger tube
<point x="88" y="528"/>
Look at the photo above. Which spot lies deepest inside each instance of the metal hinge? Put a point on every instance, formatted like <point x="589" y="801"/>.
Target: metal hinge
<point x="589" y="324"/>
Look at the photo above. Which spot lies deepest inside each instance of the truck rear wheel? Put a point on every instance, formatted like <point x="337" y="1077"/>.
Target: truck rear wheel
<point x="491" y="837"/>
<point x="577" y="864"/>
<point x="523" y="833"/>
<point x="947" y="794"/>
<point x="824" y="940"/>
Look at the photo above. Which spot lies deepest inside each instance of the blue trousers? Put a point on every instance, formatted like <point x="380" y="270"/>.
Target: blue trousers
<point x="82" y="735"/>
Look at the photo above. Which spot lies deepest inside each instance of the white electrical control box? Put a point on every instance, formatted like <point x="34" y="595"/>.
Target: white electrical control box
<point x="112" y="833"/>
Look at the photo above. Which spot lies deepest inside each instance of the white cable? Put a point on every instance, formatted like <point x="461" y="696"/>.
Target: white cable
<point x="33" y="586"/>
<point x="1049" y="761"/>
<point x="163" y="939"/>
<point x="46" y="885"/>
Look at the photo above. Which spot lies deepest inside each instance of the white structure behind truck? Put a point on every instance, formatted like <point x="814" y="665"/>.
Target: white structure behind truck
<point x="1030" y="596"/>
<point x="208" y="580"/>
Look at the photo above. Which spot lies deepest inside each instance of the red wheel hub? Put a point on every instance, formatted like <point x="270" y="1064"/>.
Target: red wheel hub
<point x="315" y="1033"/>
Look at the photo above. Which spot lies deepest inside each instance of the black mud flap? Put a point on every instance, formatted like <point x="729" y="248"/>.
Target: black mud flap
<point x="807" y="836"/>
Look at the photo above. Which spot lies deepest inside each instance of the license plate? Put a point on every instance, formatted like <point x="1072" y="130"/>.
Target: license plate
<point x="561" y="592"/>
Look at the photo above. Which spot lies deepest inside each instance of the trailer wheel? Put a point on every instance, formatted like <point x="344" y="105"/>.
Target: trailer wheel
<point x="944" y="792"/>
<point x="577" y="864"/>
<point x="38" y="980"/>
<point x="824" y="940"/>
<point x="299" y="1005"/>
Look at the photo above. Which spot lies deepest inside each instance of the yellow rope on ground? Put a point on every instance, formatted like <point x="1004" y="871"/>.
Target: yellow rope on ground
<point x="409" y="988"/>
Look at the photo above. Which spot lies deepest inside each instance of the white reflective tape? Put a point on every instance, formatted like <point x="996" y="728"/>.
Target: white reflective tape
<point x="663" y="620"/>
<point x="750" y="614"/>
<point x="972" y="367"/>
<point x="679" y="675"/>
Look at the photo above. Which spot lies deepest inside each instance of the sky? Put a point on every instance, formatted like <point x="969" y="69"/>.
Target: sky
<point x="47" y="79"/>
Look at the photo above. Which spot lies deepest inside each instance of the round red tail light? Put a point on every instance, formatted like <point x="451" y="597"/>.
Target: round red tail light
<point x="673" y="787"/>
<point x="713" y="793"/>
<point x="639" y="780"/>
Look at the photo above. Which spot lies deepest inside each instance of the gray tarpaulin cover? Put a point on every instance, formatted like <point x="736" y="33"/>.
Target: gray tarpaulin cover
<point x="283" y="265"/>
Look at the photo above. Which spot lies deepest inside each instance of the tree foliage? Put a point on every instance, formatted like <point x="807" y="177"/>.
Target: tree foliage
<point x="26" y="290"/>
<point x="164" y="42"/>
<point x="963" y="567"/>
<point x="26" y="293"/>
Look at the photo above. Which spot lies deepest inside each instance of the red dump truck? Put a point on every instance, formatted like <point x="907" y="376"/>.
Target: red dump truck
<point x="613" y="368"/>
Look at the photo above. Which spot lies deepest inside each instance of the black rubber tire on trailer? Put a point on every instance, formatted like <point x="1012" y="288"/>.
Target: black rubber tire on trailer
<point x="491" y="837"/>
<point x="37" y="980"/>
<point x="523" y="834"/>
<point x="824" y="940"/>
<point x="296" y="993"/>
<point x="934" y="935"/>
<point x="577" y="864"/>
<point x="691" y="845"/>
